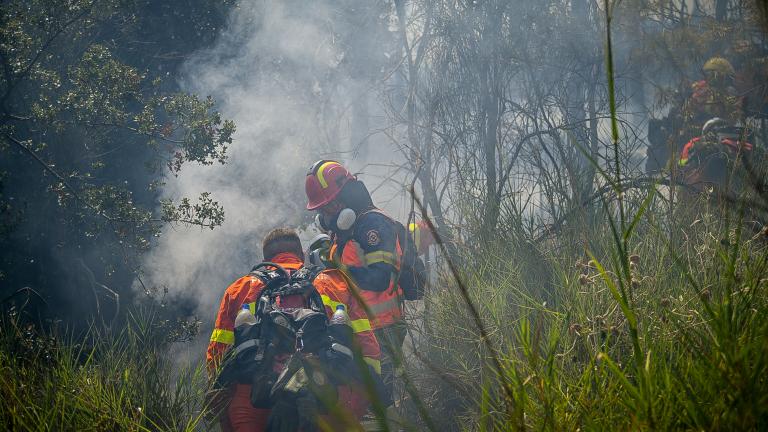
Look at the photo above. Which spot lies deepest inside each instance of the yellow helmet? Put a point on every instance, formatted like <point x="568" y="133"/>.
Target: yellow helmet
<point x="719" y="65"/>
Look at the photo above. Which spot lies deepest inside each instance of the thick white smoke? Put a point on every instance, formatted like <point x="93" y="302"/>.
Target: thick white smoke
<point x="280" y="73"/>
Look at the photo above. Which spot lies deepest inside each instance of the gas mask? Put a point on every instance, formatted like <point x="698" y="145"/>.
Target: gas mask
<point x="342" y="222"/>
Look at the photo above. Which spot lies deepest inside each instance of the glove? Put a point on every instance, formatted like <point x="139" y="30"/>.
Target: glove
<point x="307" y="408"/>
<point x="283" y="417"/>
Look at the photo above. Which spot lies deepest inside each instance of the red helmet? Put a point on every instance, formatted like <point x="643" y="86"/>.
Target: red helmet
<point x="324" y="182"/>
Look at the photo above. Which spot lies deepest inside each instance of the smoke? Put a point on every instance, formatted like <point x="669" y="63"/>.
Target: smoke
<point x="297" y="78"/>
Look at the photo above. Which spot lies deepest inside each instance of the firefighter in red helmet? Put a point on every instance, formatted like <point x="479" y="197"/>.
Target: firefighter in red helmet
<point x="366" y="248"/>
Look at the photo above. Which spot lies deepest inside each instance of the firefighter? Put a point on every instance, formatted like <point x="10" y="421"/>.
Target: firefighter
<point x="422" y="236"/>
<point x="366" y="250"/>
<point x="283" y="247"/>
<point x="714" y="96"/>
<point x="708" y="160"/>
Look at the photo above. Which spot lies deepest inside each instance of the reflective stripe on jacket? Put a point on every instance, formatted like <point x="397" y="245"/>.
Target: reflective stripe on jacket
<point x="243" y="291"/>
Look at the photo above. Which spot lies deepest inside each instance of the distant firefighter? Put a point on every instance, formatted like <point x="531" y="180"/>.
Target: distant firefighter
<point x="422" y="236"/>
<point x="712" y="97"/>
<point x="708" y="160"/>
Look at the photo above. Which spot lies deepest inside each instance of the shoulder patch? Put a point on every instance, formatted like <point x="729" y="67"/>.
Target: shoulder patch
<point x="373" y="237"/>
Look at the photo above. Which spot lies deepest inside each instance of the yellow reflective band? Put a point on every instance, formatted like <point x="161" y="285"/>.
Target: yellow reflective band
<point x="380" y="256"/>
<point x="375" y="364"/>
<point x="223" y="336"/>
<point x="252" y="307"/>
<point x="360" y="325"/>
<point x="320" y="176"/>
<point x="332" y="304"/>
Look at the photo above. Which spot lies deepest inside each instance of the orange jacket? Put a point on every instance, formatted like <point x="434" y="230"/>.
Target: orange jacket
<point x="243" y="291"/>
<point x="370" y="260"/>
<point x="332" y="289"/>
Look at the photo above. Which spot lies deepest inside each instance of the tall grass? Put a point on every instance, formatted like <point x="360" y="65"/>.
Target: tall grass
<point x="628" y="331"/>
<point x="96" y="382"/>
<point x="691" y="352"/>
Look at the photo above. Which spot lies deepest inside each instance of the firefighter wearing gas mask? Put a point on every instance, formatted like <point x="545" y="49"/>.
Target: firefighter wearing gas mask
<point x="365" y="248"/>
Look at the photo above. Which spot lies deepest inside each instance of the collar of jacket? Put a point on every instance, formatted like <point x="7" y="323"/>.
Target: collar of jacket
<point x="287" y="258"/>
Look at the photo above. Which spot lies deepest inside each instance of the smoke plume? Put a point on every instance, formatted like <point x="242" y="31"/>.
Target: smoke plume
<point x="297" y="78"/>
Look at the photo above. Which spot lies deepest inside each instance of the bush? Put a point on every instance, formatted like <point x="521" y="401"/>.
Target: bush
<point x="675" y="341"/>
<point x="101" y="381"/>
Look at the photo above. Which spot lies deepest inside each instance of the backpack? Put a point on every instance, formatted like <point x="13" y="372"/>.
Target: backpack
<point x="413" y="273"/>
<point x="282" y="340"/>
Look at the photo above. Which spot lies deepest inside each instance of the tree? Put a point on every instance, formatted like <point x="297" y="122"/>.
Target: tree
<point x="91" y="122"/>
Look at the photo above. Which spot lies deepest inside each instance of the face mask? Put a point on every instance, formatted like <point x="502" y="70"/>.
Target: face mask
<point x="343" y="221"/>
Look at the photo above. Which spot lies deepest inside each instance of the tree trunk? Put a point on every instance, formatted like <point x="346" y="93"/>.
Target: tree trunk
<point x="721" y="10"/>
<point x="490" y="125"/>
<point x="489" y="104"/>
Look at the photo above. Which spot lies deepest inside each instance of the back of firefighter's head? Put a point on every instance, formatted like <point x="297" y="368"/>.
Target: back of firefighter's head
<point x="718" y="71"/>
<point x="281" y="240"/>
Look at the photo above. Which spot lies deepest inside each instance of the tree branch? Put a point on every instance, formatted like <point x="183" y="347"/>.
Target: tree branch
<point x="20" y="76"/>
<point x="623" y="187"/>
<point x="58" y="176"/>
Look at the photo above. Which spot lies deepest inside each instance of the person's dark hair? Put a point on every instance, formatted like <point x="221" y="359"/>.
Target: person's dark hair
<point x="281" y="240"/>
<point x="355" y="195"/>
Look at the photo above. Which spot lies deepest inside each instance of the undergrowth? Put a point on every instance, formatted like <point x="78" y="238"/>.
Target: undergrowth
<point x="682" y="345"/>
<point x="101" y="381"/>
<point x="655" y="319"/>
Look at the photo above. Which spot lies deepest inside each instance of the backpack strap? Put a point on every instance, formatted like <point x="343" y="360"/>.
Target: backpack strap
<point x="302" y="280"/>
<point x="270" y="277"/>
<point x="281" y="282"/>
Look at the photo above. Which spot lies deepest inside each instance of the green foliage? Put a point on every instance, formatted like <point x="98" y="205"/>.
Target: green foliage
<point x="661" y="326"/>
<point x="684" y="349"/>
<point x="120" y="382"/>
<point x="205" y="212"/>
<point x="92" y="120"/>
<point x="52" y="90"/>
